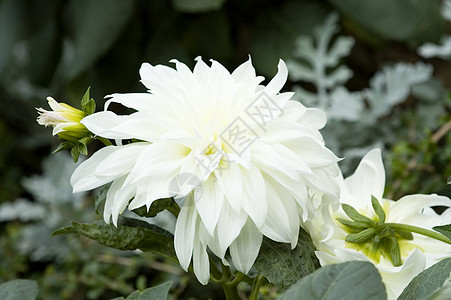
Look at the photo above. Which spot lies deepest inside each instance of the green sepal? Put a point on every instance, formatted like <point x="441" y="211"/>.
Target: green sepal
<point x="394" y="251"/>
<point x="354" y="215"/>
<point x="378" y="209"/>
<point x="407" y="235"/>
<point x="352" y="224"/>
<point x="361" y="236"/>
<point x="64" y="146"/>
<point x="88" y="105"/>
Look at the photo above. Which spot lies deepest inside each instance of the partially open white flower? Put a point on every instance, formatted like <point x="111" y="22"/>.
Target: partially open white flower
<point x="64" y="119"/>
<point x="357" y="190"/>
<point x="256" y="154"/>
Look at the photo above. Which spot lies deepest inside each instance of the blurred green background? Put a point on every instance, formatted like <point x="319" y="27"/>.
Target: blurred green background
<point x="390" y="94"/>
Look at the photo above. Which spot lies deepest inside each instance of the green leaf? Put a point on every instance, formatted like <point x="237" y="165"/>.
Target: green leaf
<point x="197" y="6"/>
<point x="288" y="20"/>
<point x="64" y="146"/>
<point x="378" y="209"/>
<point x="95" y="25"/>
<point x="284" y="266"/>
<point x="159" y="292"/>
<point x="444" y="229"/>
<point x="353" y="214"/>
<point x="75" y="152"/>
<point x="19" y="289"/>
<point x="426" y="284"/>
<point x="350" y="280"/>
<point x="157" y="206"/>
<point x="150" y="238"/>
<point x="101" y="196"/>
<point x="402" y="19"/>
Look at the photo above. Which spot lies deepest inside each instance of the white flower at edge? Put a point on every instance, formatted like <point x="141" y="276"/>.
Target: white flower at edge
<point x="248" y="191"/>
<point x="417" y="254"/>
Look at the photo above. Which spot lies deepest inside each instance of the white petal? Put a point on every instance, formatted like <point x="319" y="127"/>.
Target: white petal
<point x="229" y="227"/>
<point x="83" y="178"/>
<point x="255" y="202"/>
<point x="244" y="72"/>
<point x="396" y="280"/>
<point x="185" y="231"/>
<point x="120" y="161"/>
<point x="209" y="205"/>
<point x="368" y="179"/>
<point x="276" y="84"/>
<point x="282" y="223"/>
<point x="152" y="76"/>
<point x="244" y="250"/>
<point x="409" y="209"/>
<point x="314" y="118"/>
<point x="201" y="264"/>
<point x="231" y="184"/>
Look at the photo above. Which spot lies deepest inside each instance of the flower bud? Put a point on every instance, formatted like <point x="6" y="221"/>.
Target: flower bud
<point x="64" y="119"/>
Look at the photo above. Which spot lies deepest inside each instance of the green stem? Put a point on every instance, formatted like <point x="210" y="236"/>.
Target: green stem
<point x="415" y="229"/>
<point x="258" y="281"/>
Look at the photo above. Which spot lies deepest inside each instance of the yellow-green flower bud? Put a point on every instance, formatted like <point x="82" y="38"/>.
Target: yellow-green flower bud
<point x="64" y="119"/>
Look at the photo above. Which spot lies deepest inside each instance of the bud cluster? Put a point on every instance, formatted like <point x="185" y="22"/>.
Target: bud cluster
<point x="381" y="237"/>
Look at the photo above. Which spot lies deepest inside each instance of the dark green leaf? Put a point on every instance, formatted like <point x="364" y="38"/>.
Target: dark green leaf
<point x="150" y="238"/>
<point x="350" y="280"/>
<point x="288" y="21"/>
<point x="159" y="292"/>
<point x="425" y="284"/>
<point x="96" y="25"/>
<point x="156" y="207"/>
<point x="444" y="229"/>
<point x="197" y="6"/>
<point x="101" y="196"/>
<point x="402" y="19"/>
<point x="353" y="214"/>
<point x="378" y="209"/>
<point x="19" y="289"/>
<point x="361" y="236"/>
<point x="284" y="266"/>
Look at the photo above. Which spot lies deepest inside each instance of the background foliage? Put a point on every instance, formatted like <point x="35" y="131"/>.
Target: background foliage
<point x="380" y="69"/>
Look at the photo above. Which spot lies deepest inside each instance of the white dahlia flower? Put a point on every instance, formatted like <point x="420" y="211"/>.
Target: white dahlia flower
<point x="359" y="190"/>
<point x="257" y="157"/>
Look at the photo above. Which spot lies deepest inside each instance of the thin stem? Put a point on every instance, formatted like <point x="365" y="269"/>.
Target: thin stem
<point x="238" y="278"/>
<point x="258" y="281"/>
<point x="419" y="230"/>
<point x="230" y="292"/>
